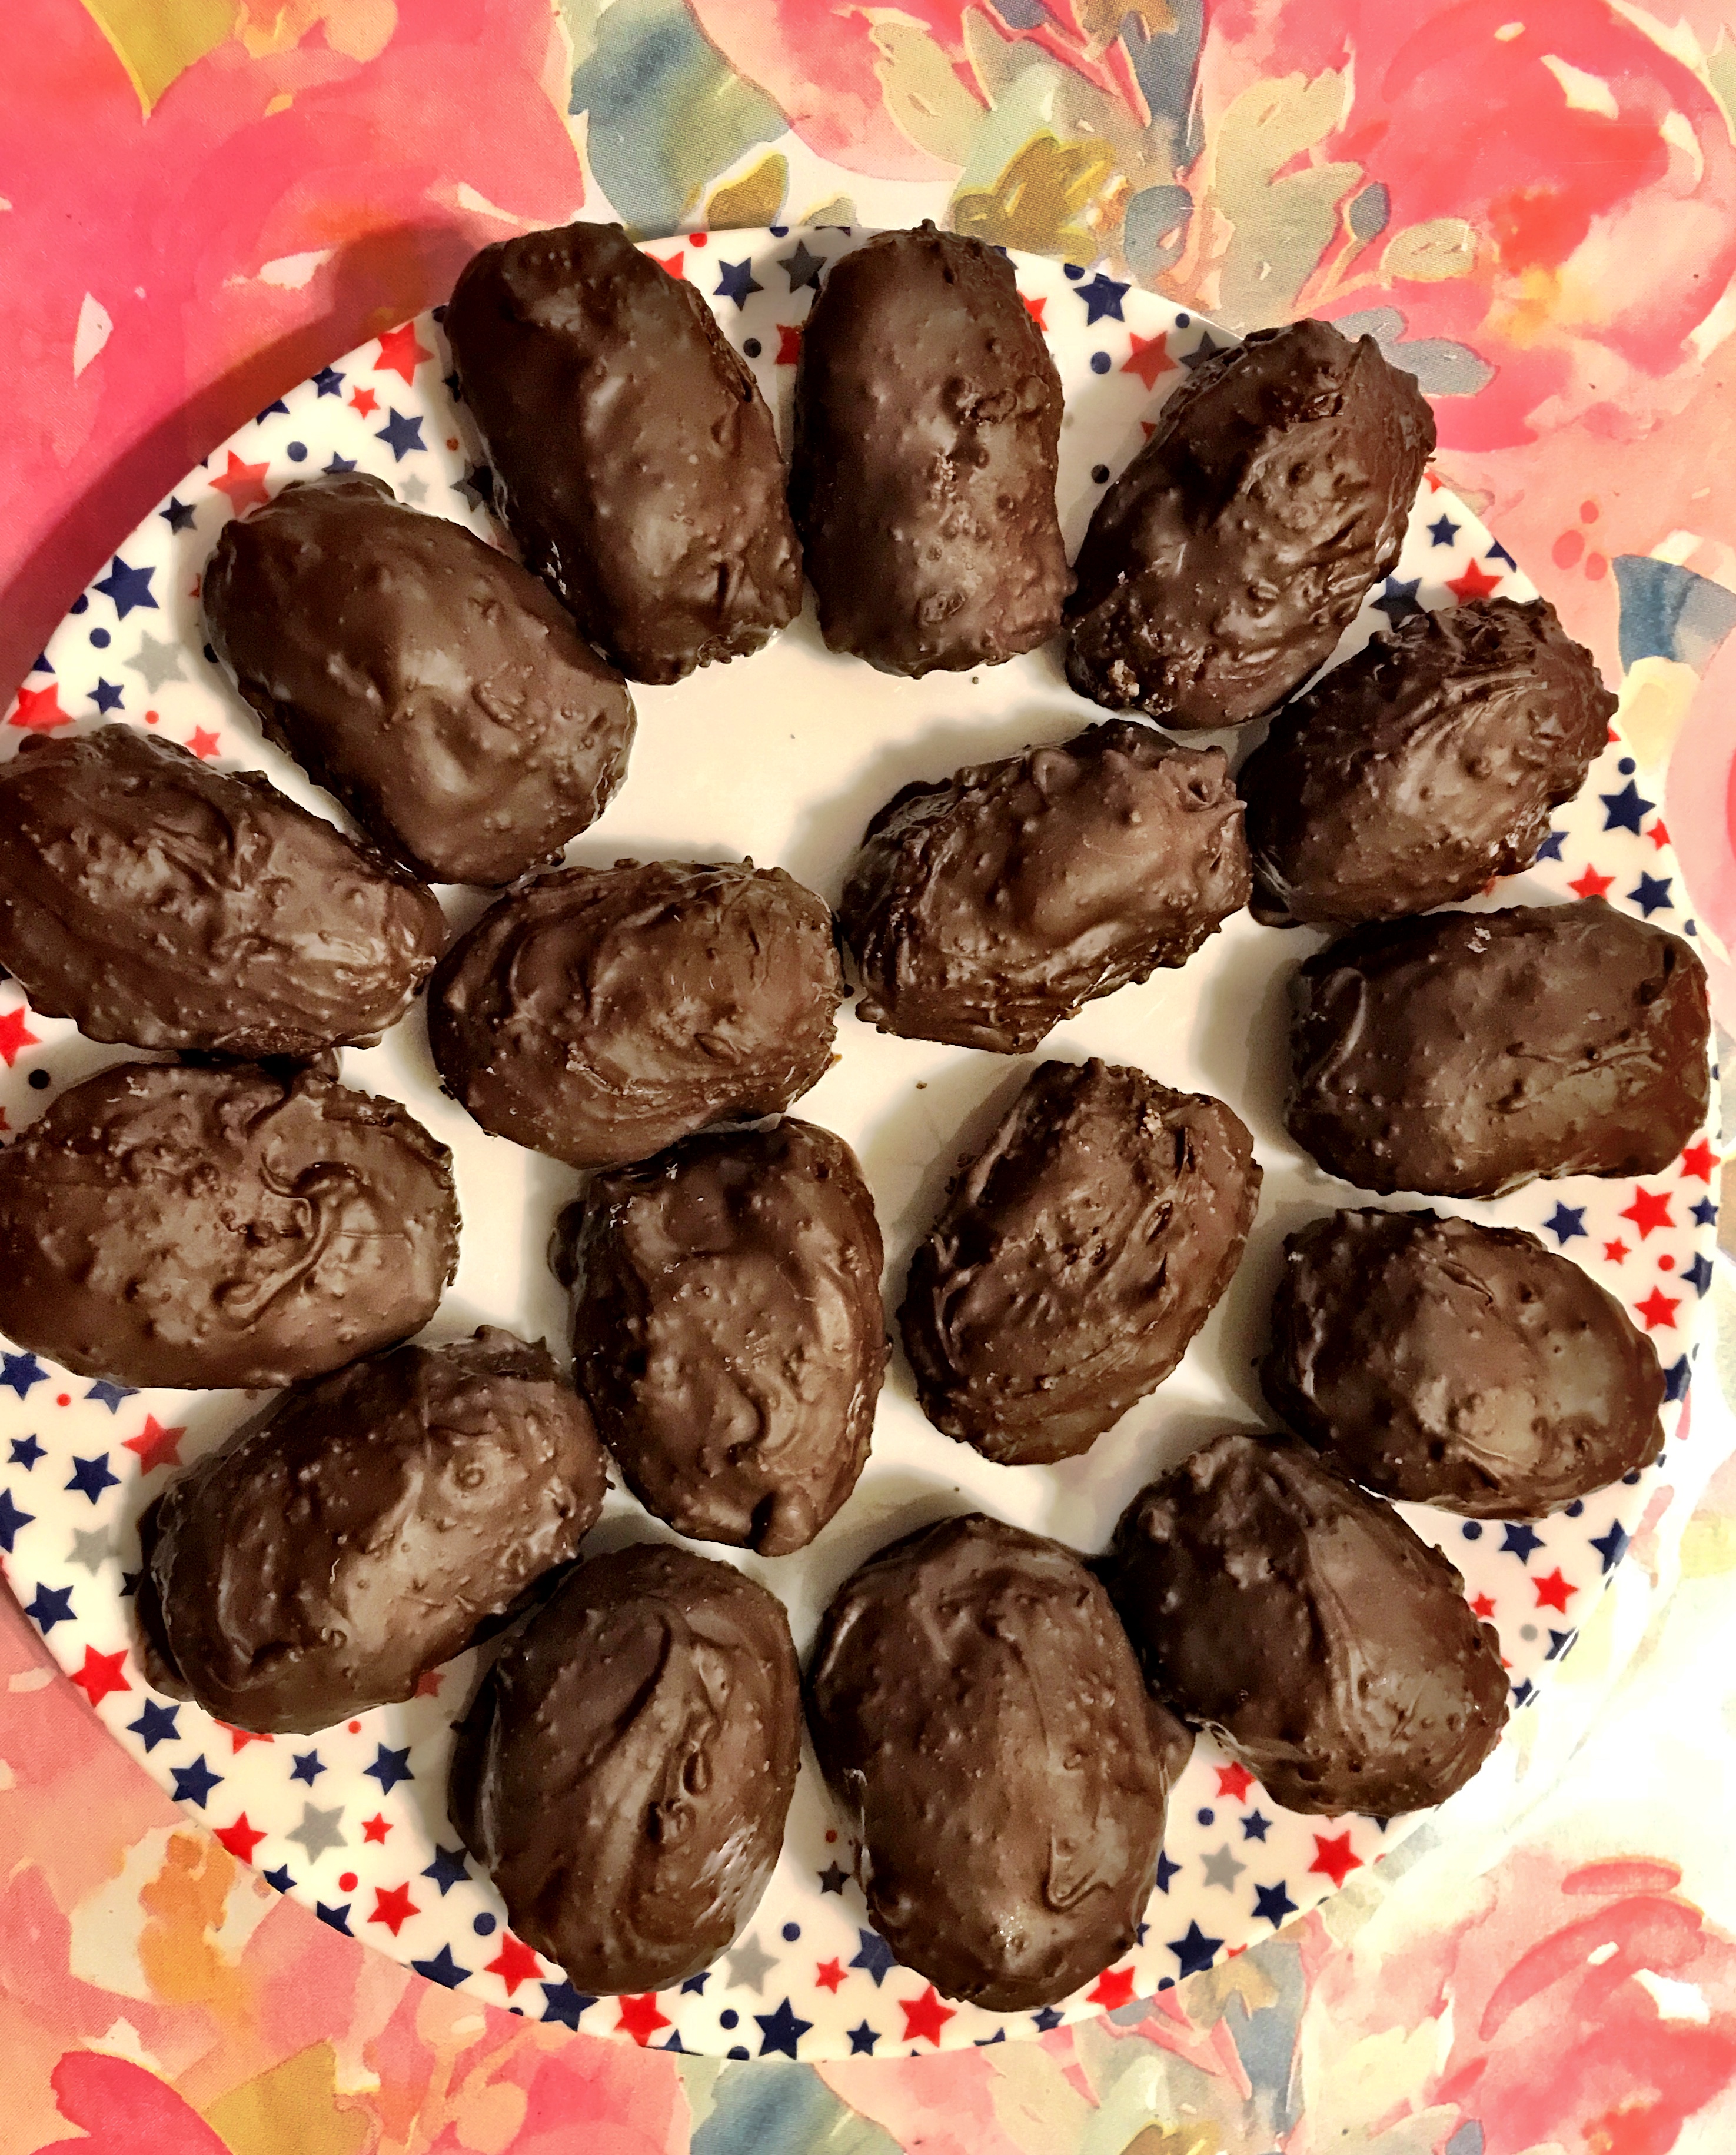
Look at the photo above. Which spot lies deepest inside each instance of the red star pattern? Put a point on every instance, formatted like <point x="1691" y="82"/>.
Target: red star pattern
<point x="1699" y="1160"/>
<point x="640" y="2018"/>
<point x="827" y="1974"/>
<point x="241" y="1838"/>
<point x="789" y="344"/>
<point x="239" y="1738"/>
<point x="1552" y="1591"/>
<point x="365" y="402"/>
<point x="673" y="263"/>
<point x="925" y="2017"/>
<point x="1658" y="1309"/>
<point x="1333" y="1858"/>
<point x="393" y="1906"/>
<point x="1034" y="307"/>
<point x="100" y="1675"/>
<point x="1234" y="1781"/>
<point x="39" y="711"/>
<point x="1615" y="1252"/>
<point x="1482" y="1604"/>
<point x="155" y="1446"/>
<point x="1114" y="1987"/>
<point x="1433" y="480"/>
<point x="1650" y="1209"/>
<point x="514" y="1964"/>
<point x="376" y="1827"/>
<point x="244" y="483"/>
<point x="400" y="353"/>
<point x="428" y="1684"/>
<point x="1591" y="885"/>
<point x="204" y="743"/>
<point x="1476" y="583"/>
<point x="1148" y="358"/>
<point x="1659" y="835"/>
<point x="15" y="1034"/>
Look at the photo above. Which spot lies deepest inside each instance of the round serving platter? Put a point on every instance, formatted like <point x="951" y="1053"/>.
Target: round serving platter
<point x="783" y="757"/>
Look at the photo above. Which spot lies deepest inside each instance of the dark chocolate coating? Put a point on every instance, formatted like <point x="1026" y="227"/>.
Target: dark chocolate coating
<point x="1460" y="1365"/>
<point x="207" y="1228"/>
<point x="159" y="903"/>
<point x="365" y="1528"/>
<point x="1424" y="767"/>
<point x="634" y="459"/>
<point x="1464" y="1053"/>
<point x="1325" y="1644"/>
<point x="979" y="1717"/>
<point x="599" y="1014"/>
<point x="1225" y="563"/>
<point x="729" y="1333"/>
<point x="624" y="1771"/>
<point x="1075" y="1258"/>
<point x="928" y="421"/>
<point x="985" y="908"/>
<point x="419" y="674"/>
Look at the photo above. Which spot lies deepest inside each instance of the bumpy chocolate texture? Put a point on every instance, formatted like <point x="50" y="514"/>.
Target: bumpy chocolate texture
<point x="365" y="1528"/>
<point x="625" y="1770"/>
<point x="633" y="458"/>
<point x="729" y="1333"/>
<point x="987" y="908"/>
<point x="159" y="903"/>
<point x="599" y="1014"/>
<point x="1327" y="1647"/>
<point x="1460" y="1365"/>
<point x="1464" y="1053"/>
<point x="162" y="1225"/>
<point x="1224" y="564"/>
<point x="1075" y="1258"/>
<point x="429" y="681"/>
<point x="927" y="416"/>
<point x="1423" y="766"/>
<point x="979" y="1717"/>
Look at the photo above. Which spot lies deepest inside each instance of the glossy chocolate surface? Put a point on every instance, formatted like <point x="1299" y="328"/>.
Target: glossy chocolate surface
<point x="625" y="1769"/>
<point x="1327" y="1647"/>
<point x="979" y="1717"/>
<point x="985" y="909"/>
<point x="1075" y="1258"/>
<point x="163" y="1225"/>
<point x="364" y="1527"/>
<point x="435" y="686"/>
<point x="597" y="1015"/>
<point x="634" y="459"/>
<point x="729" y="1333"/>
<point x="157" y="901"/>
<point x="1451" y="1363"/>
<point x="1464" y="1053"/>
<point x="1224" y="564"/>
<point x="928" y="419"/>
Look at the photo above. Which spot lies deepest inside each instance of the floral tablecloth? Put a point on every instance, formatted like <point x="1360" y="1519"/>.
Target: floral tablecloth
<point x="1532" y="203"/>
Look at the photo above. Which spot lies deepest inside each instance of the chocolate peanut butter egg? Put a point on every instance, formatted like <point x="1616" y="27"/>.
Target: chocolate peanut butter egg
<point x="216" y="1227"/>
<point x="161" y="904"/>
<point x="633" y="458"/>
<point x="597" y="1015"/>
<point x="435" y="686"/>
<point x="728" y="1329"/>
<point x="624" y="1771"/>
<point x="1325" y="1644"/>
<point x="1075" y="1258"/>
<point x="987" y="908"/>
<point x="365" y="1528"/>
<point x="1424" y="767"/>
<point x="978" y="1714"/>
<point x="1464" y="1054"/>
<point x="1451" y="1363"/>
<point x="1225" y="563"/>
<point x="927" y="424"/>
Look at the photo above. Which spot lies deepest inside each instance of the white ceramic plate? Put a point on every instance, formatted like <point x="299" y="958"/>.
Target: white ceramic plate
<point x="784" y="756"/>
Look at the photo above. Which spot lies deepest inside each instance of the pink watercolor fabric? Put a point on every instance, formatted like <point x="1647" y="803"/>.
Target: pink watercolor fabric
<point x="1532" y="203"/>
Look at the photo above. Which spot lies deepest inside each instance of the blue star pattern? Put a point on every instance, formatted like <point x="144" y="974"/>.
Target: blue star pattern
<point x="1046" y="2018"/>
<point x="401" y="434"/>
<point x="875" y="1955"/>
<point x="193" y="1784"/>
<point x="1652" y="895"/>
<point x="1566" y="1221"/>
<point x="91" y="1476"/>
<point x="106" y="696"/>
<point x="128" y="587"/>
<point x="1195" y="1951"/>
<point x="1254" y="1825"/>
<point x="52" y="1605"/>
<point x="781" y="2031"/>
<point x="441" y="1969"/>
<point x="1705" y="1213"/>
<point x="338" y="1919"/>
<point x="21" y="1372"/>
<point x="307" y="1768"/>
<point x="12" y="1519"/>
<point x="279" y="1878"/>
<point x="176" y="515"/>
<point x="26" y="1451"/>
<point x="1442" y="531"/>
<point x="1550" y="849"/>
<point x="862" y="2040"/>
<point x="1165" y="1870"/>
<point x="1626" y="810"/>
<point x="390" y="1767"/>
<point x="1398" y="599"/>
<point x="448" y="1868"/>
<point x="1698" y="1275"/>
<point x="695" y="1985"/>
<point x="156" y="1724"/>
<point x="328" y="382"/>
<point x="1675" y="1382"/>
<point x="110" y="1395"/>
<point x="1103" y="297"/>
<point x="1273" y="1902"/>
<point x="1519" y="1540"/>
<point x="736" y="281"/>
<point x="562" y="2003"/>
<point x="1612" y="1547"/>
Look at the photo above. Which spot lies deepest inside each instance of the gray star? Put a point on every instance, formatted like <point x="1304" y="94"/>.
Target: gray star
<point x="748" y="1963"/>
<point x="318" y="1830"/>
<point x="801" y="268"/>
<point x="91" y="1550"/>
<point x="157" y="662"/>
<point x="414" y="490"/>
<point x="1223" y="1869"/>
